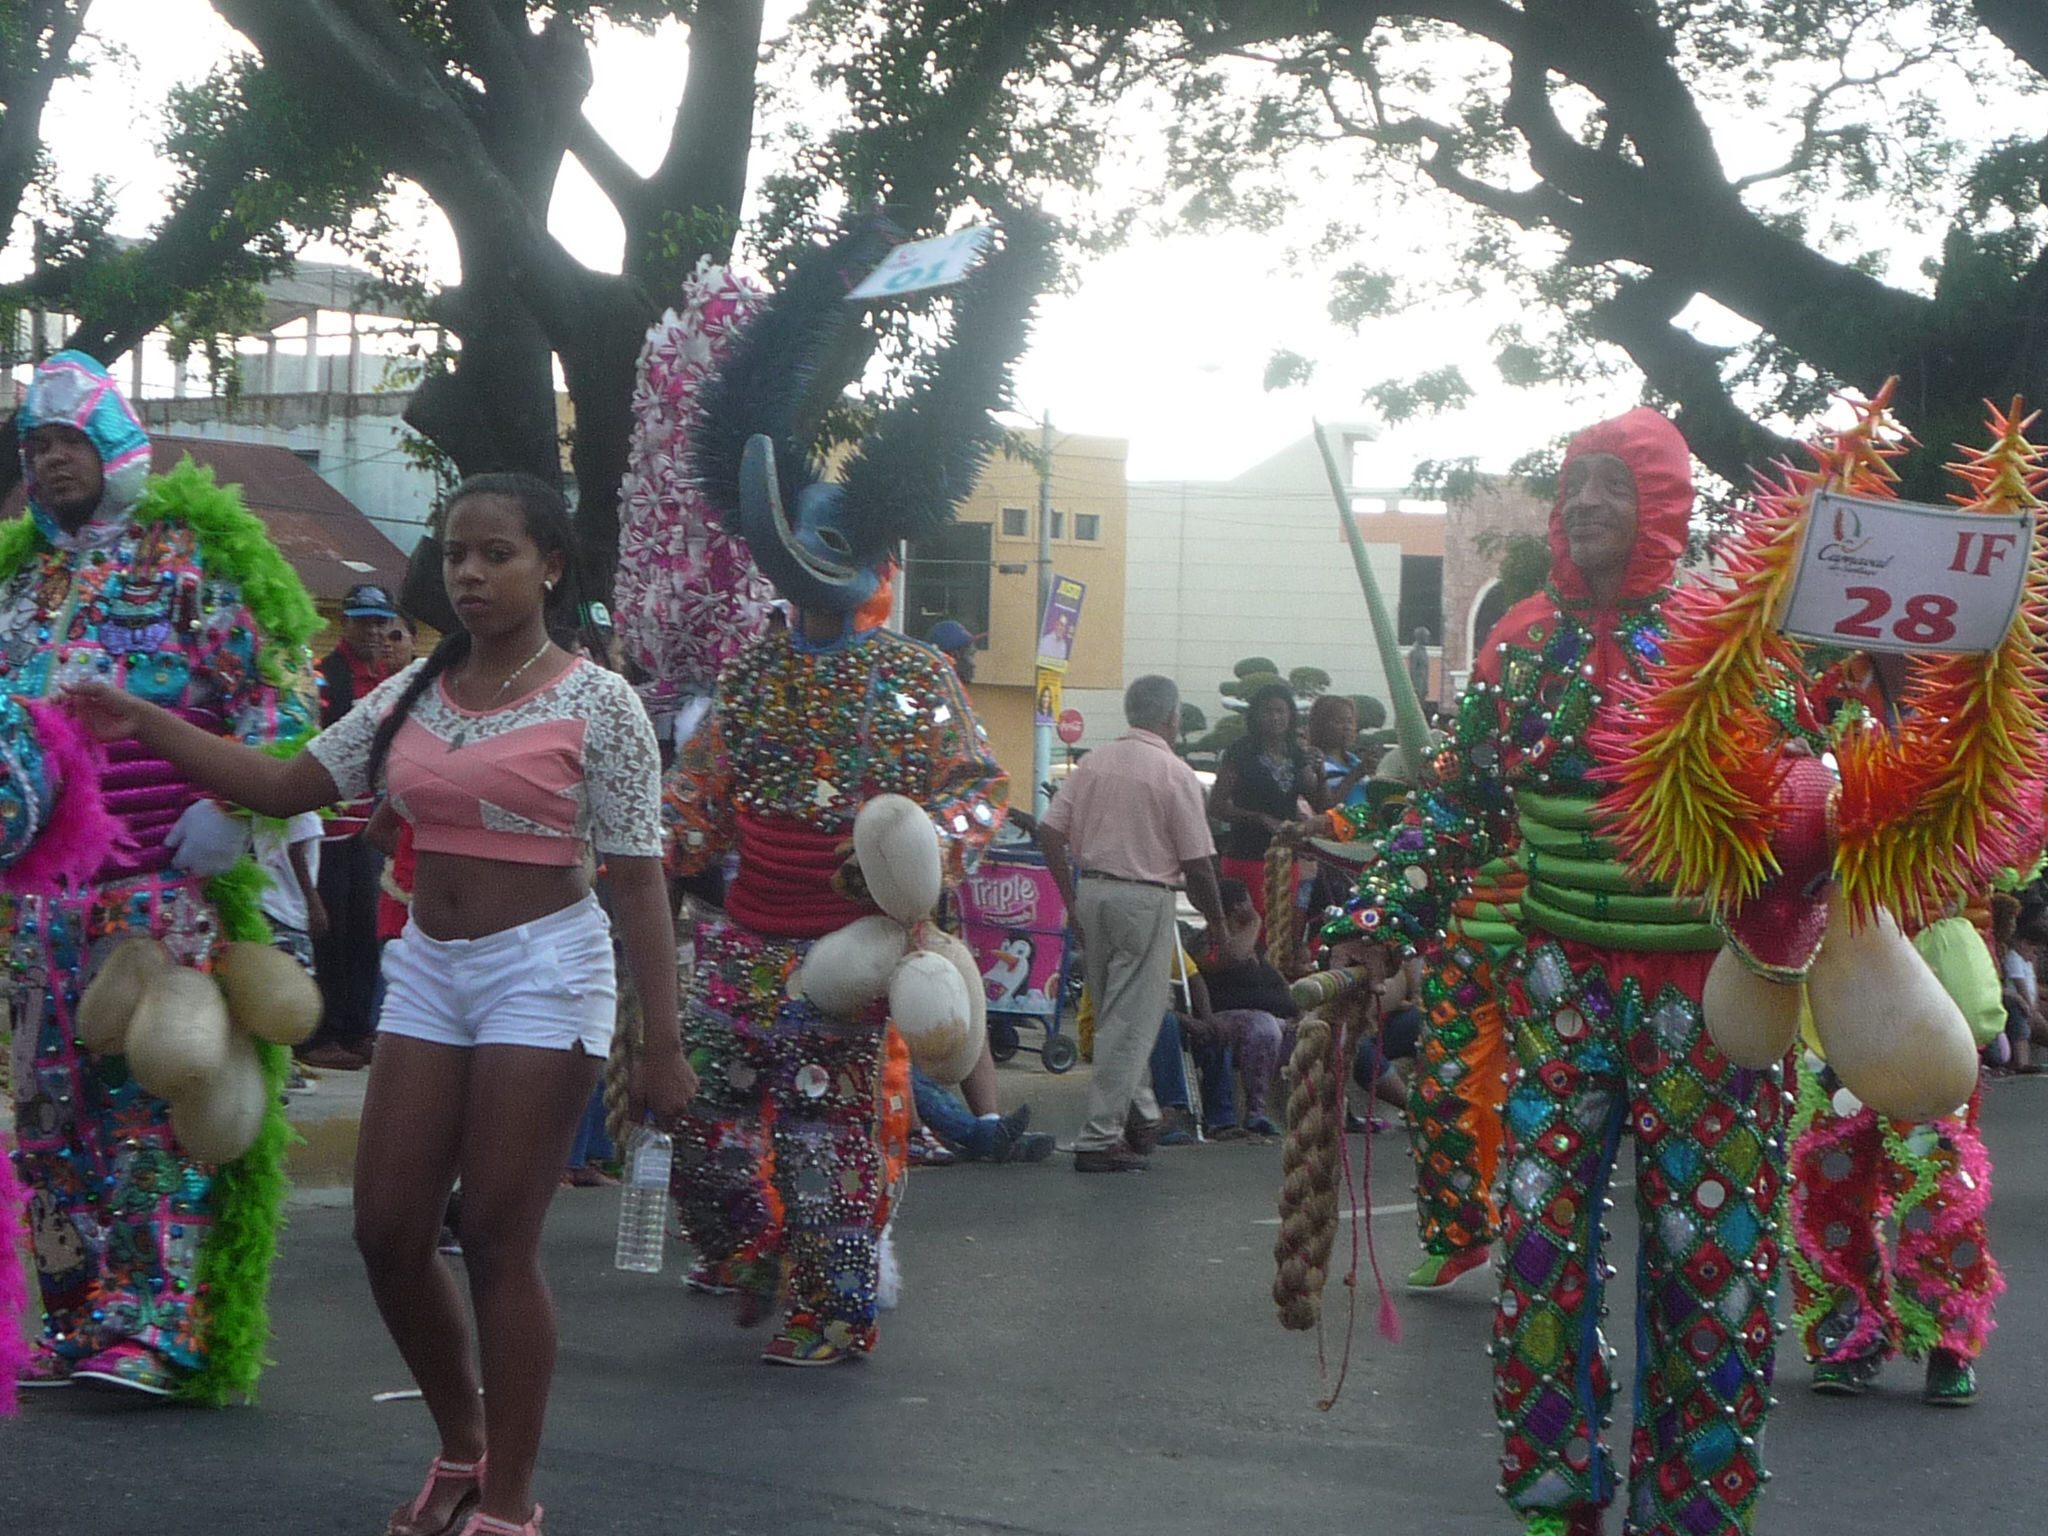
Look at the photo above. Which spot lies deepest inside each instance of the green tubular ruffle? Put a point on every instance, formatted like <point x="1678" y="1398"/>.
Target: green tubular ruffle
<point x="1649" y="937"/>
<point x="1495" y="936"/>
<point x="1572" y="813"/>
<point x="1583" y="874"/>
<point x="234" y="1264"/>
<point x="1605" y="906"/>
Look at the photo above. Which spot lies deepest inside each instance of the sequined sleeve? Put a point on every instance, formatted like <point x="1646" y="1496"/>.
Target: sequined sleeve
<point x="621" y="770"/>
<point x="970" y="792"/>
<point x="697" y="807"/>
<point x="1431" y="841"/>
<point x="267" y="689"/>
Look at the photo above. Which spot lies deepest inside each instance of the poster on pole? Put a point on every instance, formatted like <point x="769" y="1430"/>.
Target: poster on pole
<point x="922" y="264"/>
<point x="1062" y="617"/>
<point x="1905" y="577"/>
<point x="1048" y="711"/>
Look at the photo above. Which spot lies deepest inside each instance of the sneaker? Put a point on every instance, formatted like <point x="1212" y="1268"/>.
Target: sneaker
<point x="1951" y="1380"/>
<point x="1031" y="1147"/>
<point x="709" y="1280"/>
<point x="45" y="1368"/>
<point x="1441" y="1271"/>
<point x="1851" y="1377"/>
<point x="449" y="1243"/>
<point x="129" y="1366"/>
<point x="802" y="1344"/>
<point x="1177" y="1128"/>
<point x="1259" y="1125"/>
<point x="1111" y="1159"/>
<point x="927" y="1151"/>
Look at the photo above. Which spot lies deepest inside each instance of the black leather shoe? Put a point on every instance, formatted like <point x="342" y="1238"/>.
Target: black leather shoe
<point x="1118" y="1159"/>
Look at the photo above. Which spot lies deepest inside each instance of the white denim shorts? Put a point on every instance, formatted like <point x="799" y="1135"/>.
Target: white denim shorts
<point x="550" y="983"/>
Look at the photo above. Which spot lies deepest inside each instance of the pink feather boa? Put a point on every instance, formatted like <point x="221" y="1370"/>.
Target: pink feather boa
<point x="14" y="1297"/>
<point x="82" y="833"/>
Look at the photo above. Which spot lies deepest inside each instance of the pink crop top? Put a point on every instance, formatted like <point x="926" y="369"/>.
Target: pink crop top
<point x="571" y="764"/>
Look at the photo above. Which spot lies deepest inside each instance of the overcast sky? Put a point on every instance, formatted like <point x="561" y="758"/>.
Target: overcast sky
<point x="1164" y="343"/>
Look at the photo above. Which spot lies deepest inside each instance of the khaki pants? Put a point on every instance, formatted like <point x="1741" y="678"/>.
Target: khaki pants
<point x="1131" y="937"/>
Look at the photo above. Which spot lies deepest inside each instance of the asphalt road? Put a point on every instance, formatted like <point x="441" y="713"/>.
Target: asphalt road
<point x="1090" y="1356"/>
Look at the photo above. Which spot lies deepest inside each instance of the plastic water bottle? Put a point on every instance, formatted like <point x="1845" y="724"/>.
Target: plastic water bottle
<point x="643" y="1204"/>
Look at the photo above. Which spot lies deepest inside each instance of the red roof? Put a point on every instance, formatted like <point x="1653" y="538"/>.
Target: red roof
<point x="323" y="534"/>
<point x="313" y="525"/>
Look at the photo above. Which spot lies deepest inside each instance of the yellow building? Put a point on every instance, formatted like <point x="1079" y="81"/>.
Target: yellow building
<point x="983" y="573"/>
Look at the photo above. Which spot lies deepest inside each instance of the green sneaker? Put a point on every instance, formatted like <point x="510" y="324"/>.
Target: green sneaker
<point x="1441" y="1271"/>
<point x="1951" y="1380"/>
<point x="1847" y="1378"/>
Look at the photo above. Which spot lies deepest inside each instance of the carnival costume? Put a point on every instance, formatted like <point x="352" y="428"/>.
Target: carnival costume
<point x="154" y="1265"/>
<point x="1462" y="1071"/>
<point x="781" y="1178"/>
<point x="1604" y="1001"/>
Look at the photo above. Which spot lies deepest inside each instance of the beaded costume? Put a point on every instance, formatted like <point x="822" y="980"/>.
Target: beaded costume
<point x="1462" y="1070"/>
<point x="1603" y="998"/>
<point x="780" y="1163"/>
<point x="780" y="1173"/>
<point x="153" y="1267"/>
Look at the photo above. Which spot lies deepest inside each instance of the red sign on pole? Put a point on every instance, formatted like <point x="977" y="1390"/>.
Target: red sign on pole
<point x="1070" y="726"/>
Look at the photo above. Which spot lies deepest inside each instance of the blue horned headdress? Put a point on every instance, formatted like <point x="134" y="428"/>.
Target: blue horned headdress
<point x="822" y="543"/>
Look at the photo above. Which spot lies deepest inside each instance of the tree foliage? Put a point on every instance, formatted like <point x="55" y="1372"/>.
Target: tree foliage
<point x="1753" y="205"/>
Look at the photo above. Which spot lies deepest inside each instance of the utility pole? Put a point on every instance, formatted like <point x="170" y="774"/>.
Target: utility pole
<point x="1041" y="733"/>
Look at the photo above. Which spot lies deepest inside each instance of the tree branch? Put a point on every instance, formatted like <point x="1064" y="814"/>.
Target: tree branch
<point x="625" y="188"/>
<point x="28" y="93"/>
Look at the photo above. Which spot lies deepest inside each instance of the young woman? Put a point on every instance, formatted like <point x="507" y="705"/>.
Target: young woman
<point x="1259" y="779"/>
<point x="509" y="757"/>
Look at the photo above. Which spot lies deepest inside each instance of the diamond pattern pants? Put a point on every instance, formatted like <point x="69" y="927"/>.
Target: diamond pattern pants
<point x="1610" y="1043"/>
<point x="1849" y="1172"/>
<point x="1456" y="1100"/>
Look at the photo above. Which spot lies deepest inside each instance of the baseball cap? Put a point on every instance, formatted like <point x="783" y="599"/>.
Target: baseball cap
<point x="949" y="635"/>
<point x="367" y="600"/>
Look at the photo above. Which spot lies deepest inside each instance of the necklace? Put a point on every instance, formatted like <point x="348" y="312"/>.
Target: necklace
<point x="462" y="735"/>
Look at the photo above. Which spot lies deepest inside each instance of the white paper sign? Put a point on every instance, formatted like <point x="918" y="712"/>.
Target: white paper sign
<point x="1900" y="576"/>
<point x="924" y="264"/>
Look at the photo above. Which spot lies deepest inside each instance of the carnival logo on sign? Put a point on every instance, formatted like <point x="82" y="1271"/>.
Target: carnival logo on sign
<point x="1844" y="552"/>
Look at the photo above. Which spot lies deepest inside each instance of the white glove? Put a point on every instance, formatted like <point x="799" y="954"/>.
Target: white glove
<point x="206" y="840"/>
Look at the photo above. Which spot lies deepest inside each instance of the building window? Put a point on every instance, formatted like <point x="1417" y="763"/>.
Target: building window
<point x="1059" y="525"/>
<point x="946" y="576"/>
<point x="1422" y="598"/>
<point x="1088" y="527"/>
<point x="1016" y="523"/>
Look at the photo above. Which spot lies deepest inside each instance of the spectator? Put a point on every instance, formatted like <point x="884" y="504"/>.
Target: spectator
<point x="979" y="1138"/>
<point x="2025" y="1023"/>
<point x="345" y="956"/>
<point x="1260" y="780"/>
<point x="1120" y="840"/>
<point x="953" y="639"/>
<point x="1250" y="1010"/>
<point x="400" y="640"/>
<point x="1377" y="1069"/>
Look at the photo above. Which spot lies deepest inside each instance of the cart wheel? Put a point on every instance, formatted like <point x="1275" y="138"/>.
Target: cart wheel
<point x="1060" y="1053"/>
<point x="1002" y="1039"/>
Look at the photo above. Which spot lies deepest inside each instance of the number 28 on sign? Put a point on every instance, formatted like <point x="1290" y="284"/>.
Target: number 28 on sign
<point x="1901" y="576"/>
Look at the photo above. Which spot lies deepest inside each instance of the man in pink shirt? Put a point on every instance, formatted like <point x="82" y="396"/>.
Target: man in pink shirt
<point x="1121" y="837"/>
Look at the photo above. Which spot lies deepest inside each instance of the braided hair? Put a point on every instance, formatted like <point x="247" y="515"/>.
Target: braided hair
<point x="546" y="518"/>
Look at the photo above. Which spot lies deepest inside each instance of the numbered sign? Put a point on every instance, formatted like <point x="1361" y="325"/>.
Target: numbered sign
<point x="924" y="264"/>
<point x="1899" y="576"/>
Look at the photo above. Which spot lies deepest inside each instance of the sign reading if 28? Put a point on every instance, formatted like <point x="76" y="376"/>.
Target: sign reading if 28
<point x="1901" y="576"/>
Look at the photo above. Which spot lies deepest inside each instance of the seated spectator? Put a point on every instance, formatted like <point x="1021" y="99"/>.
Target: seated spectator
<point x="1251" y="1011"/>
<point x="1379" y="1068"/>
<point x="2026" y="1026"/>
<point x="985" y="1138"/>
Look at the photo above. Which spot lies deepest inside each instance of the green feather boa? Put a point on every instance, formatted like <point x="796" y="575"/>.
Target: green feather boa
<point x="233" y="546"/>
<point x="234" y="1264"/>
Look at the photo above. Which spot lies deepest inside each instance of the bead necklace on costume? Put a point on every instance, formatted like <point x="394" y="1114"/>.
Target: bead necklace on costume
<point x="498" y="698"/>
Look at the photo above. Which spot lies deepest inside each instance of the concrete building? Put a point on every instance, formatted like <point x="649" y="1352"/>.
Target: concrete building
<point x="1495" y="509"/>
<point x="1257" y="565"/>
<point x="983" y="573"/>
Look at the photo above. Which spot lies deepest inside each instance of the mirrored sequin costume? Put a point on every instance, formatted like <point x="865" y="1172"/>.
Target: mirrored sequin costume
<point x="1602" y="1001"/>
<point x="779" y="1165"/>
<point x="152" y="1266"/>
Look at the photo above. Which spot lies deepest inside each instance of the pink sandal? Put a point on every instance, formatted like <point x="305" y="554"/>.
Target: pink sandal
<point x="491" y="1525"/>
<point x="405" y="1521"/>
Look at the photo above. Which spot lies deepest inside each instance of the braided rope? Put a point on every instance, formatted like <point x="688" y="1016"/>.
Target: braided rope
<point x="1283" y="926"/>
